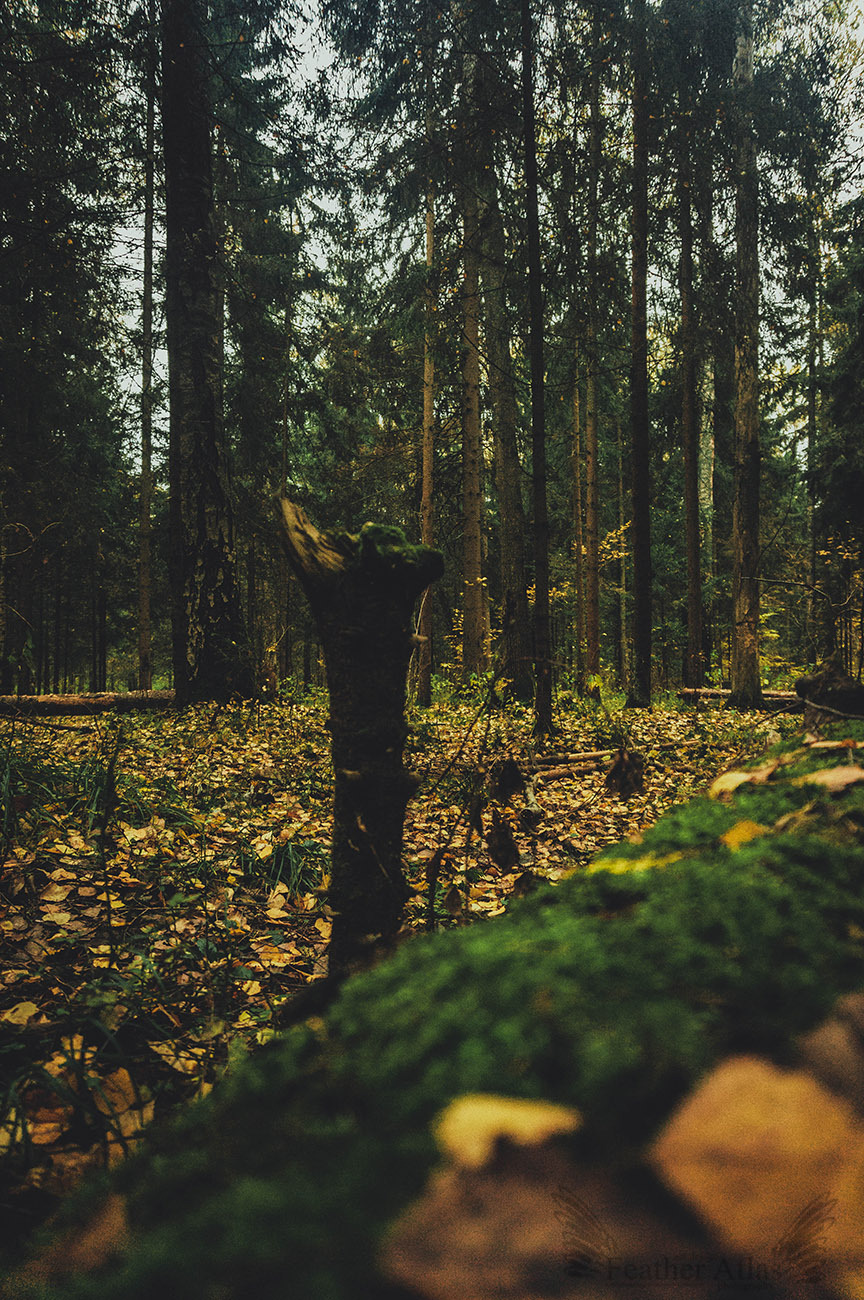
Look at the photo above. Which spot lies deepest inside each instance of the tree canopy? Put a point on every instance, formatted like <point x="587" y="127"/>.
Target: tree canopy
<point x="370" y="222"/>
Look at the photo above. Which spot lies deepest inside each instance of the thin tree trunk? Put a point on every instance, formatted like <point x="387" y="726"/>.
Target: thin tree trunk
<point x="542" y="648"/>
<point x="689" y="420"/>
<point x="578" y="541"/>
<point x="474" y="592"/>
<point x="592" y="433"/>
<point x="145" y="489"/>
<point x="427" y="499"/>
<point x="746" y="684"/>
<point x="813" y="367"/>
<point x="515" y="613"/>
<point x="640" y="434"/>
<point x="211" y="653"/>
<point x="623" y="643"/>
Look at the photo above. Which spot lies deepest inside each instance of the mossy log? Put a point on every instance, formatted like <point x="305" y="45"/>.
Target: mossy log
<point x="362" y="589"/>
<point x="732" y="927"/>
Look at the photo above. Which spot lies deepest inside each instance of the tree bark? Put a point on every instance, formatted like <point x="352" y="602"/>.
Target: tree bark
<point x="640" y="433"/>
<point x="362" y="590"/>
<point x="210" y="651"/>
<point x="623" y="642"/>
<point x="746" y="683"/>
<point x="689" y="417"/>
<point x="473" y="590"/>
<point x="145" y="489"/>
<point x="592" y="360"/>
<point x="515" y="613"/>
<point x="474" y="656"/>
<point x="542" y="648"/>
<point x="578" y="542"/>
<point x="427" y="499"/>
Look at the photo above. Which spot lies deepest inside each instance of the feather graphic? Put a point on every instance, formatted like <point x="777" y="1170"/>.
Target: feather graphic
<point x="799" y="1255"/>
<point x="589" y="1245"/>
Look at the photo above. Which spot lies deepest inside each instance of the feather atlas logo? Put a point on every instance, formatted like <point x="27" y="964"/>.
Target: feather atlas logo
<point x="592" y="1253"/>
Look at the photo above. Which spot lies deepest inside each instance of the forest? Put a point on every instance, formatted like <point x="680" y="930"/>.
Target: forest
<point x="431" y="643"/>
<point x="571" y="295"/>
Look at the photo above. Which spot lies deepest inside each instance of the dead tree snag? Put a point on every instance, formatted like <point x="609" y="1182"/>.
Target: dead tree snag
<point x="362" y="589"/>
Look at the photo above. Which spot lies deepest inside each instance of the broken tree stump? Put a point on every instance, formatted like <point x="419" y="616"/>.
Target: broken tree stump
<point x="362" y="589"/>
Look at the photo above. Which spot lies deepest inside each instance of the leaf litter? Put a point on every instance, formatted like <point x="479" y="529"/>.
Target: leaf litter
<point x="163" y="885"/>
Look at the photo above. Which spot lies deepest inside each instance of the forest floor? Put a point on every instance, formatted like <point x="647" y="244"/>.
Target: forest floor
<point x="163" y="887"/>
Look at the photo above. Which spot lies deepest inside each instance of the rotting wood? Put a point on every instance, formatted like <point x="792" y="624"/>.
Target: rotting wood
<point x="718" y="693"/>
<point x="98" y="702"/>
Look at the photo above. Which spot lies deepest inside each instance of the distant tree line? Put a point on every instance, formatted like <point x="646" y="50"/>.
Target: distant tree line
<point x="572" y="291"/>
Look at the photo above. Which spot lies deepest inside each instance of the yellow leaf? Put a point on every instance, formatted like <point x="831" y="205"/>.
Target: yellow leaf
<point x="323" y="927"/>
<point x="57" y="918"/>
<point x="741" y="833"/>
<point x="21" y="1014"/>
<point x="115" y="1093"/>
<point x="114" y="901"/>
<point x="186" y="1060"/>
<point x="619" y="866"/>
<point x="753" y="1145"/>
<point x="469" y="1128"/>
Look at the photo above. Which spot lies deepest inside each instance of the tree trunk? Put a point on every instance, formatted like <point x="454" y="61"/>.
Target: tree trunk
<point x="640" y="433"/>
<point x="211" y="655"/>
<point x="362" y="590"/>
<point x="474" y="592"/>
<point x="746" y="684"/>
<point x="145" y="490"/>
<point x="515" y="614"/>
<point x="689" y="414"/>
<point x="592" y="433"/>
<point x="814" y="336"/>
<point x="542" y="649"/>
<point x="427" y="500"/>
<point x="623" y="642"/>
<point x="578" y="542"/>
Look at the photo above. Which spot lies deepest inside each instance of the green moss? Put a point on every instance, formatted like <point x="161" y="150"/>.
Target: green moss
<point x="613" y="991"/>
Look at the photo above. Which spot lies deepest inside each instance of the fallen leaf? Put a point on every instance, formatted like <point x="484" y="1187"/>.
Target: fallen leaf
<point x="469" y="1128"/>
<point x="185" y="1060"/>
<point x="56" y="893"/>
<point x="741" y="833"/>
<point x="619" y="866"/>
<point x="21" y="1014"/>
<point x="753" y="1145"/>
<point x="115" y="1093"/>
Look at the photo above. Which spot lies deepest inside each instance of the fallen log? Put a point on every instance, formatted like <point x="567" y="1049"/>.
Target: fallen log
<point x="567" y="772"/>
<point x="718" y="693"/>
<point x="55" y="706"/>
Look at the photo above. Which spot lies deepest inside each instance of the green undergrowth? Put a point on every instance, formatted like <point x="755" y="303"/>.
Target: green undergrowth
<point x="612" y="991"/>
